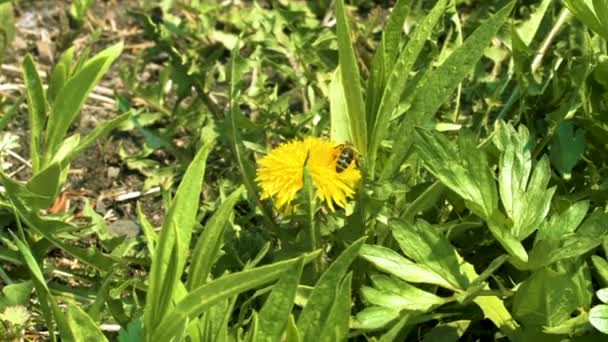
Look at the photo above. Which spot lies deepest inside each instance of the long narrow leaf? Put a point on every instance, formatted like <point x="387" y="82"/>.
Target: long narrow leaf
<point x="177" y="231"/>
<point x="318" y="306"/>
<point x="398" y="75"/>
<point x="384" y="59"/>
<point x="436" y="86"/>
<point x="209" y="243"/>
<point x="49" y="228"/>
<point x="48" y="303"/>
<point x="36" y="103"/>
<point x="202" y="298"/>
<point x="351" y="80"/>
<point x="274" y="316"/>
<point x="73" y="94"/>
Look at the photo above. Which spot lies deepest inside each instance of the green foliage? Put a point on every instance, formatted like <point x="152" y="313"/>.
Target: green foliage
<point x="481" y="213"/>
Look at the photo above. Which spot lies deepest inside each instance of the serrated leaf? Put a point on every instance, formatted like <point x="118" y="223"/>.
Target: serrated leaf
<point x="423" y="245"/>
<point x="550" y="295"/>
<point x="463" y="169"/>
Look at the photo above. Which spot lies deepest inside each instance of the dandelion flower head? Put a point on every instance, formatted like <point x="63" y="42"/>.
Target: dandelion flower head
<point x="280" y="172"/>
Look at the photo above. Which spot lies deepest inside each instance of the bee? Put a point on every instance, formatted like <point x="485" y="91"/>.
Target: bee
<point x="347" y="154"/>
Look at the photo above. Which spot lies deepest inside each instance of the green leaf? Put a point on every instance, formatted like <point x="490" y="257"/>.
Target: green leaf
<point x="396" y="294"/>
<point x="337" y="323"/>
<point x="585" y="13"/>
<point x="437" y="85"/>
<point x="170" y="259"/>
<point x="550" y="295"/>
<point x="36" y="103"/>
<point x="274" y="316"/>
<point x="602" y="294"/>
<point x="598" y="317"/>
<point x="73" y="94"/>
<point x="202" y="298"/>
<point x="601" y="267"/>
<point x="7" y="27"/>
<point x="44" y="187"/>
<point x="49" y="228"/>
<point x="133" y="333"/>
<point x="351" y="80"/>
<point x="422" y="244"/>
<point x="567" y="148"/>
<point x="49" y="307"/>
<point x="384" y="58"/>
<point x="209" y="242"/>
<point x="525" y="199"/>
<point x="83" y="327"/>
<point x="340" y="122"/>
<point x="318" y="306"/>
<point x="60" y="74"/>
<point x="16" y="294"/>
<point x="148" y="230"/>
<point x="527" y="30"/>
<point x="398" y="74"/>
<point x="292" y="334"/>
<point x="563" y="223"/>
<point x="447" y="332"/>
<point x="464" y="170"/>
<point x="392" y="262"/>
<point x="375" y="317"/>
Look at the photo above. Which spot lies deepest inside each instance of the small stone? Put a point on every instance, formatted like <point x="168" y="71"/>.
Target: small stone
<point x="113" y="172"/>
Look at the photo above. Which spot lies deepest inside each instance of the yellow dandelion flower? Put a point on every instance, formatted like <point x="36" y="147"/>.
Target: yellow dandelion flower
<point x="280" y="172"/>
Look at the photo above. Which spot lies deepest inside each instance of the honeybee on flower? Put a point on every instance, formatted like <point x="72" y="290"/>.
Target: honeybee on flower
<point x="334" y="170"/>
